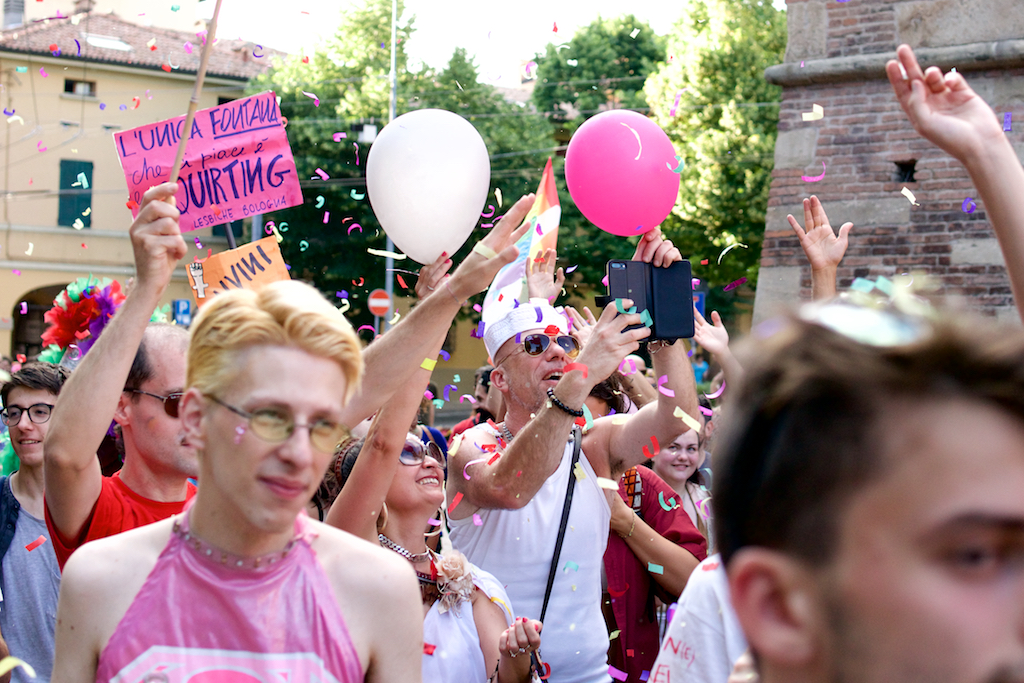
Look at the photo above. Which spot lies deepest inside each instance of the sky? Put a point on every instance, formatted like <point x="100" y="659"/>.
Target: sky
<point x="500" y="35"/>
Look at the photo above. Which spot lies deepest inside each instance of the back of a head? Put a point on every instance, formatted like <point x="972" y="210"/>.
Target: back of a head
<point x="288" y="313"/>
<point x="810" y="424"/>
<point x="36" y="375"/>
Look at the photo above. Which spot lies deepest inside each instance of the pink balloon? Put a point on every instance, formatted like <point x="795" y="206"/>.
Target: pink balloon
<point x="619" y="171"/>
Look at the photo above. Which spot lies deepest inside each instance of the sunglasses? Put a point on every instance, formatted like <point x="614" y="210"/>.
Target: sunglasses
<point x="170" y="401"/>
<point x="276" y="425"/>
<point x="414" y="452"/>
<point x="537" y="343"/>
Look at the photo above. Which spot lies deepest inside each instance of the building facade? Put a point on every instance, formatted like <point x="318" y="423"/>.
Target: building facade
<point x="68" y="84"/>
<point x="869" y="152"/>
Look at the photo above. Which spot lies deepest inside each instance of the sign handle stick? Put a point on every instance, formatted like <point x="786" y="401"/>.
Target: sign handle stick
<point x="211" y="35"/>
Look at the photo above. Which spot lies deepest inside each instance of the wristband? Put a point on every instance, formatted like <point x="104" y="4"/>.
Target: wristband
<point x="561" y="406"/>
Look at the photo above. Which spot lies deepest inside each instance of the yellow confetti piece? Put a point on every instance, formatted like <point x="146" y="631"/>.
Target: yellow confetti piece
<point x="614" y="634"/>
<point x="909" y="195"/>
<point x="385" y="254"/>
<point x="579" y="472"/>
<point x="395" y="319"/>
<point x="30" y="248"/>
<point x="606" y="483"/>
<point x="8" y="663"/>
<point x="687" y="419"/>
<point x="497" y="195"/>
<point x="484" y="250"/>
<point x="502" y="603"/>
<point x="12" y="119"/>
<point x="428" y="364"/>
<point x="277" y="235"/>
<point x="78" y="224"/>
<point x="620" y="419"/>
<point x="817" y="112"/>
<point x="87" y="211"/>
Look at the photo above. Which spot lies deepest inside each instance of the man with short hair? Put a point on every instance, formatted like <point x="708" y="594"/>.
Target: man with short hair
<point x="142" y="396"/>
<point x="506" y="510"/>
<point x="859" y="544"/>
<point x="29" y="575"/>
<point x="243" y="585"/>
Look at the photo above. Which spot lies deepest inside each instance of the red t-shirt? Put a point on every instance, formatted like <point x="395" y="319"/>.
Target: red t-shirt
<point x="117" y="509"/>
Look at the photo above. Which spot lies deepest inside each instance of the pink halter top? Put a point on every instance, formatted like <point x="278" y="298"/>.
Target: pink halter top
<point x="200" y="620"/>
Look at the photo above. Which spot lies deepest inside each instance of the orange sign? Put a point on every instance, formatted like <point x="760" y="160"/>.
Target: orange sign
<point x="250" y="266"/>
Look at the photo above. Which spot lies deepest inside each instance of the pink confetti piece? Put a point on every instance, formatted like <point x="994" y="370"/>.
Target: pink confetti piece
<point x="36" y="543"/>
<point x="434" y="522"/>
<point x="467" y="397"/>
<point x="338" y="136"/>
<point x="672" y="112"/>
<point x="16" y="272"/>
<point x="353" y="227"/>
<point x="40" y="146"/>
<point x="371" y="328"/>
<point x="476" y="520"/>
<point x="487" y="225"/>
<point x="814" y="179"/>
<point x="664" y="390"/>
<point x="24" y="308"/>
<point x="616" y="674"/>
<point x="356" y="145"/>
<point x="476" y="307"/>
<point x="323" y="174"/>
<point x="42" y="72"/>
<point x="706" y="411"/>
<point x="717" y="393"/>
<point x="429" y="395"/>
<point x="327" y="217"/>
<point x="471" y="462"/>
<point x="188" y="47"/>
<point x="632" y="366"/>
<point x="488" y="215"/>
<point x="604" y="281"/>
<point x="734" y="284"/>
<point x="316" y="100"/>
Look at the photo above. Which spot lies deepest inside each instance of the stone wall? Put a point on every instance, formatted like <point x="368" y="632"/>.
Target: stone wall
<point x="835" y="58"/>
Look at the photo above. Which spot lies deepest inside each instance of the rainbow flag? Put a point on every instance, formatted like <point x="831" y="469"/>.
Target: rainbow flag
<point x="509" y="284"/>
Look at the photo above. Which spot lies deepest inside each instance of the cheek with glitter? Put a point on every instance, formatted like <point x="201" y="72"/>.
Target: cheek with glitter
<point x="239" y="433"/>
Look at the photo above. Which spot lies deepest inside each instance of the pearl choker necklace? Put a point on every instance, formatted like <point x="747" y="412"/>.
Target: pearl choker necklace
<point x="414" y="558"/>
<point x="230" y="559"/>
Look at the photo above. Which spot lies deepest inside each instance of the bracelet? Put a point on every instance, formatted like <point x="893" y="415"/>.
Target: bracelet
<point x="449" y="288"/>
<point x="561" y="406"/>
<point x="631" y="527"/>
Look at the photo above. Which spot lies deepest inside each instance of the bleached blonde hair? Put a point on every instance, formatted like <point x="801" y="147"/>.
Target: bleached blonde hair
<point x="287" y="313"/>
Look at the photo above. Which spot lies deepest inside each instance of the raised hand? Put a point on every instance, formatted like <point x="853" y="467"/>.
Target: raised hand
<point x="156" y="238"/>
<point x="582" y="326"/>
<point x="943" y="108"/>
<point x="542" y="280"/>
<point x="823" y="248"/>
<point x="491" y="253"/>
<point x="432" y="275"/>
<point x="610" y="342"/>
<point x="653" y="248"/>
<point x="713" y="337"/>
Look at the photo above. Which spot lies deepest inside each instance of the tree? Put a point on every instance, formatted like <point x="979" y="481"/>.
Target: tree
<point x="349" y="76"/>
<point x="713" y="101"/>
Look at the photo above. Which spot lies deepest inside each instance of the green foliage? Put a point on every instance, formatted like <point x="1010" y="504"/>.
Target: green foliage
<point x="350" y="76"/>
<point x="724" y="126"/>
<point x="603" y="67"/>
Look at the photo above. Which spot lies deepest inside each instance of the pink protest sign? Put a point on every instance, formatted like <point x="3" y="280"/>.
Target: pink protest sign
<point x="237" y="162"/>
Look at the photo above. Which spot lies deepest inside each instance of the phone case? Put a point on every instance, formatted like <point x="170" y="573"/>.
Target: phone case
<point x="667" y="293"/>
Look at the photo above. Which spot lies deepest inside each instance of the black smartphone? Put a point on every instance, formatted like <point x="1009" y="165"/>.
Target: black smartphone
<point x="665" y="293"/>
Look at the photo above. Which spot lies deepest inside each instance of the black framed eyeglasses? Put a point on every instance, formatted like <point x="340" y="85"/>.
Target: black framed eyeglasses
<point x="38" y="413"/>
<point x="537" y="343"/>
<point x="276" y="425"/>
<point x="415" y="451"/>
<point x="170" y="401"/>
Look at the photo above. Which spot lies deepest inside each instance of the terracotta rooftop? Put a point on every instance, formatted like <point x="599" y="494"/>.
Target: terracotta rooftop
<point x="109" y="39"/>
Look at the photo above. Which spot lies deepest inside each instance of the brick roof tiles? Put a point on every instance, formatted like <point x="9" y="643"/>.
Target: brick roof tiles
<point x="230" y="58"/>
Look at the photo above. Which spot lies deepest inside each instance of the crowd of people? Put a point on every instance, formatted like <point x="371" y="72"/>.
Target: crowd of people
<point x="852" y="510"/>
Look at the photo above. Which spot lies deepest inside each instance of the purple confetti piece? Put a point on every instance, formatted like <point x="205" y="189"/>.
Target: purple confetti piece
<point x="102" y="106"/>
<point x="519" y="338"/>
<point x="480" y="330"/>
<point x="570" y="269"/>
<point x="515" y="303"/>
<point x="447" y="389"/>
<point x="79" y="48"/>
<point x="540" y="313"/>
<point x="444" y="354"/>
<point x="734" y="284"/>
<point x="968" y="206"/>
<point x="1008" y="121"/>
<point x="342" y="294"/>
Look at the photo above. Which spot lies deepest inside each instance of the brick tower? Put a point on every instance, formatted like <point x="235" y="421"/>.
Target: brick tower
<point x="835" y="58"/>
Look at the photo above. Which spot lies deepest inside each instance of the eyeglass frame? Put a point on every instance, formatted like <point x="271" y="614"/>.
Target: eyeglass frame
<point x="521" y="346"/>
<point x="425" y="450"/>
<point x="5" y="414"/>
<point x="294" y="425"/>
<point x="171" y="401"/>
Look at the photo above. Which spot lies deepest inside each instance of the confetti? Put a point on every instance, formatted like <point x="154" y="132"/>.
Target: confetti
<point x="356" y="144"/>
<point x="36" y="543"/>
<point x="353" y="227"/>
<point x="479" y="522"/>
<point x="687" y="419"/>
<point x="576" y="366"/>
<point x="614" y="634"/>
<point x="484" y="250"/>
<point x="909" y="195"/>
<point x="455" y="502"/>
<point x="40" y="147"/>
<point x="428" y="364"/>
<point x="472" y="462"/>
<point x="639" y="151"/>
<point x="339" y="136"/>
<point x="8" y="663"/>
<point x="968" y="206"/>
<point x="83" y="181"/>
<point x="428" y="649"/>
<point x="24" y="308"/>
<point x="467" y="397"/>
<point x="814" y="179"/>
<point x="616" y="674"/>
<point x="653" y="451"/>
<point x="497" y="195"/>
<point x="30" y="248"/>
<point x="188" y="47"/>
<point x="670" y="505"/>
<point x="816" y="113"/>
<point x="385" y="254"/>
<point x="257" y="56"/>
<point x="734" y="284"/>
<point x="445" y="355"/>
<point x="42" y="72"/>
<point x="79" y="46"/>
<point x="717" y="393"/>
<point x="606" y="483"/>
<point x="617" y="594"/>
<point x="728" y="249"/>
<point x="78" y="224"/>
<point x="356" y="195"/>
<point x="316" y="100"/>
<point x="662" y="389"/>
<point x="571" y="565"/>
<point x="655" y="568"/>
<point x="327" y="217"/>
<point x="482" y="215"/>
<point x="680" y="165"/>
<point x="303" y="245"/>
<point x="1008" y="121"/>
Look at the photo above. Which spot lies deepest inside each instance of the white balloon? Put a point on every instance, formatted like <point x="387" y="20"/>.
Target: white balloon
<point x="427" y="175"/>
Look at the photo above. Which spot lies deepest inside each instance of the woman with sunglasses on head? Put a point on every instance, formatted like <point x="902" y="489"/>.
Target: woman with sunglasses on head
<point x="392" y="494"/>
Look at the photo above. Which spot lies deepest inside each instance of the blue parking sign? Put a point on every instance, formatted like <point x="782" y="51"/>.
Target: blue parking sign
<point x="698" y="301"/>
<point x="182" y="312"/>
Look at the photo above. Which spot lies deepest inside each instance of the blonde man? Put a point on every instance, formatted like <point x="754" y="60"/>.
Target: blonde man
<point x="242" y="580"/>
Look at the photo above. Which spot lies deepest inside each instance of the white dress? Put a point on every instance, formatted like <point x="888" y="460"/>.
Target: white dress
<point x="457" y="657"/>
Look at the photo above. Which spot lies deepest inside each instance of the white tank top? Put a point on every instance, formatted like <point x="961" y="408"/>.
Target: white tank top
<point x="516" y="546"/>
